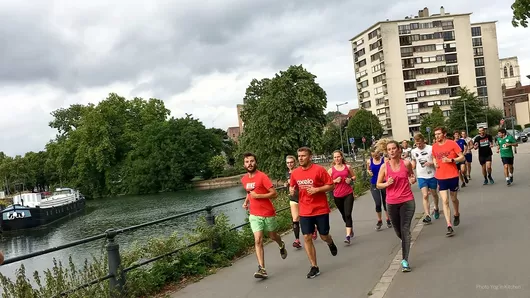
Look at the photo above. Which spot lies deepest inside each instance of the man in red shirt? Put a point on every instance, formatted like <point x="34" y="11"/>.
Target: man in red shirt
<point x="312" y="181"/>
<point x="446" y="153"/>
<point x="262" y="218"/>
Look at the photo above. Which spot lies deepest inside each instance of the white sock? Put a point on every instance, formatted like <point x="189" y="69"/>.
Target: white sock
<point x="511" y="174"/>
<point x="507" y="178"/>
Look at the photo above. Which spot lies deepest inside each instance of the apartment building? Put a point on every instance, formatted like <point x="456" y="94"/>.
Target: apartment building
<point x="510" y="74"/>
<point x="404" y="67"/>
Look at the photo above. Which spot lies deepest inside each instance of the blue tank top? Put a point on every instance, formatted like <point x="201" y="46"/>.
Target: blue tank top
<point x="375" y="169"/>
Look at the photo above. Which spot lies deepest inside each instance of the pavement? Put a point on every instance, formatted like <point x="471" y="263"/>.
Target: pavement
<point x="485" y="258"/>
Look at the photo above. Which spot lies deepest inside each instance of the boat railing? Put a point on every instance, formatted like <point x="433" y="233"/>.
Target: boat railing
<point x="116" y="274"/>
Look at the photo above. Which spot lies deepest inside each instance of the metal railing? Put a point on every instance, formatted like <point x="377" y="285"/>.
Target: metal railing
<point x="116" y="275"/>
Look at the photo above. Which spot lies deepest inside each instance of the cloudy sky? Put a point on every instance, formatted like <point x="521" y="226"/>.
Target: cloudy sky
<point x="198" y="56"/>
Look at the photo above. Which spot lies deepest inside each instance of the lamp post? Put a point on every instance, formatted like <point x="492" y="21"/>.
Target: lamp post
<point x="465" y="117"/>
<point x="340" y="125"/>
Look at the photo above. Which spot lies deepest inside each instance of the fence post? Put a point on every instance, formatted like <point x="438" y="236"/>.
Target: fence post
<point x="210" y="220"/>
<point x="117" y="281"/>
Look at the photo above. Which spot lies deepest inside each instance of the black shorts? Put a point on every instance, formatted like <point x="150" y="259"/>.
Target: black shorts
<point x="307" y="224"/>
<point x="483" y="159"/>
<point x="295" y="197"/>
<point x="507" y="160"/>
<point x="469" y="157"/>
<point x="450" y="184"/>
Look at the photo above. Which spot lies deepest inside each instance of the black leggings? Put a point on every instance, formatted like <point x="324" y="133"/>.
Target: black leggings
<point x="345" y="206"/>
<point x="379" y="196"/>
<point x="401" y="217"/>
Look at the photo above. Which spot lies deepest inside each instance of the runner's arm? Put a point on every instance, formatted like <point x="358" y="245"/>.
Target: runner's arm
<point x="412" y="177"/>
<point x="380" y="178"/>
<point x="368" y="168"/>
<point x="514" y="144"/>
<point x="352" y="173"/>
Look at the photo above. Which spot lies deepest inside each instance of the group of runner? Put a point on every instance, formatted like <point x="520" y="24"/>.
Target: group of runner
<point x="393" y="168"/>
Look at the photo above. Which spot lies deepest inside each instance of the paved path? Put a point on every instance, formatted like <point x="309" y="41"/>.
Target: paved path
<point x="481" y="256"/>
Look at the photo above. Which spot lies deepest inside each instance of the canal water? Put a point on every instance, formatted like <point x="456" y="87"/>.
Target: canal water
<point x="118" y="212"/>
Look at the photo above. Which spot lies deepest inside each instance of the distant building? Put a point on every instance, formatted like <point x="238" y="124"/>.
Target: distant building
<point x="510" y="74"/>
<point x="517" y="104"/>
<point x="352" y="113"/>
<point x="240" y="122"/>
<point x="233" y="133"/>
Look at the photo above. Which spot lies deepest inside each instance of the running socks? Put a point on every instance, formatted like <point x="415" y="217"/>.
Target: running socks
<point x="296" y="229"/>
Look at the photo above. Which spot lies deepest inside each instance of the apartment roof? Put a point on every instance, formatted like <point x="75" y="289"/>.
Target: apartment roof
<point x="508" y="58"/>
<point x="434" y="16"/>
<point x="352" y="112"/>
<point x="481" y="23"/>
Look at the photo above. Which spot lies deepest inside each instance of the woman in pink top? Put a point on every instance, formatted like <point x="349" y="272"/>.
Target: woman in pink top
<point x="401" y="206"/>
<point x="342" y="175"/>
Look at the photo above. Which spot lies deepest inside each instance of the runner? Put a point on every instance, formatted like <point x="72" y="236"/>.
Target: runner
<point x="262" y="218"/>
<point x="343" y="175"/>
<point x="405" y="152"/>
<point x="468" y="154"/>
<point x="398" y="175"/>
<point x="461" y="165"/>
<point x="422" y="155"/>
<point x="446" y="153"/>
<point x="483" y="142"/>
<point x="505" y="143"/>
<point x="374" y="165"/>
<point x="313" y="181"/>
<point x="293" y="202"/>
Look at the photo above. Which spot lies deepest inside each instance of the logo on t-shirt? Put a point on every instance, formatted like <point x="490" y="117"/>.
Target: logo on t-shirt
<point x="250" y="185"/>
<point x="306" y="183"/>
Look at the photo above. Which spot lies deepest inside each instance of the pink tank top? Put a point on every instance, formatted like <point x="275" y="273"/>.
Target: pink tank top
<point x="399" y="191"/>
<point x="342" y="189"/>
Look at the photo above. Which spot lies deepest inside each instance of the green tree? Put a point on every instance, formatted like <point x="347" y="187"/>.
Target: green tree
<point x="474" y="111"/>
<point x="331" y="115"/>
<point x="217" y="165"/>
<point x="432" y="120"/>
<point x="364" y="124"/>
<point x="280" y="115"/>
<point x="330" y="139"/>
<point x="521" y="13"/>
<point x="494" y="115"/>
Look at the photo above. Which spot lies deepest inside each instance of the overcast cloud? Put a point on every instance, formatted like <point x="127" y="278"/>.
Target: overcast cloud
<point x="198" y="56"/>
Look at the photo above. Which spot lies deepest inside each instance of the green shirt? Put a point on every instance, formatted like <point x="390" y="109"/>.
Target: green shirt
<point x="506" y="151"/>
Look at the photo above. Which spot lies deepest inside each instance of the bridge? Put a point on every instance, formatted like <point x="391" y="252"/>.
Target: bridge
<point x="486" y="258"/>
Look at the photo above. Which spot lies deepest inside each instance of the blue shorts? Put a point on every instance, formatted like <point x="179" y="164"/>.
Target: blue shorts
<point x="431" y="183"/>
<point x="450" y="184"/>
<point x="469" y="157"/>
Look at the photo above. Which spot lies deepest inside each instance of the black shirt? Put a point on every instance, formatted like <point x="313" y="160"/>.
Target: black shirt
<point x="484" y="144"/>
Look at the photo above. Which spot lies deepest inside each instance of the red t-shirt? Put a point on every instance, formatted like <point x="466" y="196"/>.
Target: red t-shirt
<point x="316" y="176"/>
<point x="260" y="184"/>
<point x="449" y="149"/>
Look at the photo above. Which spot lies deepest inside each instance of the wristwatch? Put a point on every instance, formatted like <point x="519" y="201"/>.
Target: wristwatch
<point x="452" y="160"/>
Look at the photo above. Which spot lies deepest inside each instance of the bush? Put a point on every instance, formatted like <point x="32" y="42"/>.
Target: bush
<point x="527" y="125"/>
<point x="147" y="280"/>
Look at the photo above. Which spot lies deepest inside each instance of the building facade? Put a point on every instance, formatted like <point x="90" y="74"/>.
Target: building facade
<point x="517" y="103"/>
<point x="403" y="68"/>
<point x="233" y="133"/>
<point x="510" y="74"/>
<point x="240" y="122"/>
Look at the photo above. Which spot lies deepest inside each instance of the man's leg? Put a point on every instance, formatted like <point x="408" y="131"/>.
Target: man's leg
<point x="463" y="172"/>
<point x="444" y="185"/>
<point x="456" y="203"/>
<point x="510" y="168"/>
<point x="433" y="185"/>
<point x="488" y="167"/>
<point x="482" y="161"/>
<point x="469" y="159"/>
<point x="257" y="224"/>
<point x="307" y="224"/>
<point x="424" y="187"/>
<point x="271" y="226"/>
<point x="296" y="224"/>
<point x="322" y="222"/>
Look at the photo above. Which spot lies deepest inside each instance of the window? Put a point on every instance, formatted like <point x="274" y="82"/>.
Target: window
<point x="450" y="47"/>
<point x="505" y="71"/>
<point x="449" y="35"/>
<point x="451" y="58"/>
<point x="446" y="113"/>
<point x="405" y="40"/>
<point x="361" y="63"/>
<point x="381" y="111"/>
<point x="404" y="29"/>
<point x="359" y="53"/>
<point x="480" y="62"/>
<point x="453" y="81"/>
<point x="380" y="101"/>
<point x="447" y="25"/>
<point x="366" y="104"/>
<point x="378" y="90"/>
<point x="365" y="94"/>
<point x="410" y="86"/>
<point x="426" y="48"/>
<point x="376" y="45"/>
<point x="478" y="51"/>
<point x="477" y="41"/>
<point x="476" y="31"/>
<point x="361" y="74"/>
<point x="407" y="63"/>
<point x="407" y="52"/>
<point x="413" y="108"/>
<point x="379" y="78"/>
<point x="511" y="71"/>
<point x="364" y="84"/>
<point x="480" y="72"/>
<point x="431" y="82"/>
<point x="378" y="67"/>
<point x="452" y="69"/>
<point x="437" y="24"/>
<point x="409" y="75"/>
<point x="377" y="56"/>
<point x="481" y="82"/>
<point x="373" y="34"/>
<point x="483" y="91"/>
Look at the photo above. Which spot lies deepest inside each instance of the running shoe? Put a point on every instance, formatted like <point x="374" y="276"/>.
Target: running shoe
<point x="388" y="223"/>
<point x="333" y="249"/>
<point x="463" y="185"/>
<point x="511" y="179"/>
<point x="449" y="232"/>
<point x="436" y="213"/>
<point x="427" y="220"/>
<point x="485" y="182"/>
<point x="405" y="266"/>
<point x="347" y="240"/>
<point x="379" y="225"/>
<point x="261" y="273"/>
<point x="508" y="182"/>
<point x="297" y="244"/>
<point x="283" y="251"/>
<point x="466" y="179"/>
<point x="491" y="180"/>
<point x="456" y="220"/>
<point x="313" y="272"/>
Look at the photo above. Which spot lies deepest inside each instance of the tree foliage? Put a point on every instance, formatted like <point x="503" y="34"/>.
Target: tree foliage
<point x="115" y="147"/>
<point x="474" y="111"/>
<point x="217" y="165"/>
<point x="364" y="124"/>
<point x="432" y="120"/>
<point x="330" y="139"/>
<point x="280" y="115"/>
<point x="521" y="13"/>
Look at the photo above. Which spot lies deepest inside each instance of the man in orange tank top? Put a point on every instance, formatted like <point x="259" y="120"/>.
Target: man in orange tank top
<point x="446" y="153"/>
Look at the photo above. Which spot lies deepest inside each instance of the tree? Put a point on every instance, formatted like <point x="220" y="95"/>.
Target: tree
<point x="364" y="124"/>
<point x="521" y="13"/>
<point x="330" y="140"/>
<point x="474" y="111"/>
<point x="330" y="116"/>
<point x="494" y="115"/>
<point x="217" y="165"/>
<point x="434" y="119"/>
<point x="280" y="115"/>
